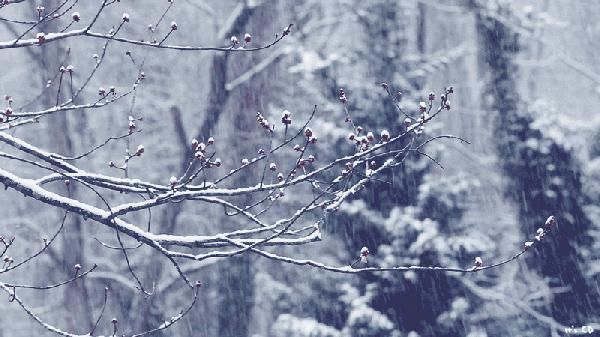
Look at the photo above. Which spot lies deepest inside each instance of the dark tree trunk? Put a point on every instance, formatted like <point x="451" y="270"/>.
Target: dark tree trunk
<point x="61" y="137"/>
<point x="544" y="179"/>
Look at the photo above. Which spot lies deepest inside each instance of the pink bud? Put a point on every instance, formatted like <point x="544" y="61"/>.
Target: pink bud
<point x="385" y="135"/>
<point x="364" y="251"/>
<point x="370" y="136"/>
<point x="41" y="37"/>
<point x="308" y="132"/>
<point x="551" y="221"/>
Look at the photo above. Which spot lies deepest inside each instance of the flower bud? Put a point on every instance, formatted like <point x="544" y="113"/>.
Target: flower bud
<point x="308" y="132"/>
<point x="370" y="136"/>
<point x="287" y="30"/>
<point x="342" y="96"/>
<point x="286" y="117"/>
<point x="364" y="251"/>
<point x="385" y="135"/>
<point x="41" y="37"/>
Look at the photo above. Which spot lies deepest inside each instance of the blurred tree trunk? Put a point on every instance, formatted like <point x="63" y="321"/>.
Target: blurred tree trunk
<point x="235" y="279"/>
<point x="543" y="179"/>
<point x="61" y="137"/>
<point x="236" y="287"/>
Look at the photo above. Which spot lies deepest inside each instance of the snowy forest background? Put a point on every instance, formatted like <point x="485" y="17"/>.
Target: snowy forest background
<point x="525" y="76"/>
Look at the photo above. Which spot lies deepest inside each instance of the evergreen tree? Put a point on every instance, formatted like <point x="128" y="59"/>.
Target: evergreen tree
<point x="543" y="177"/>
